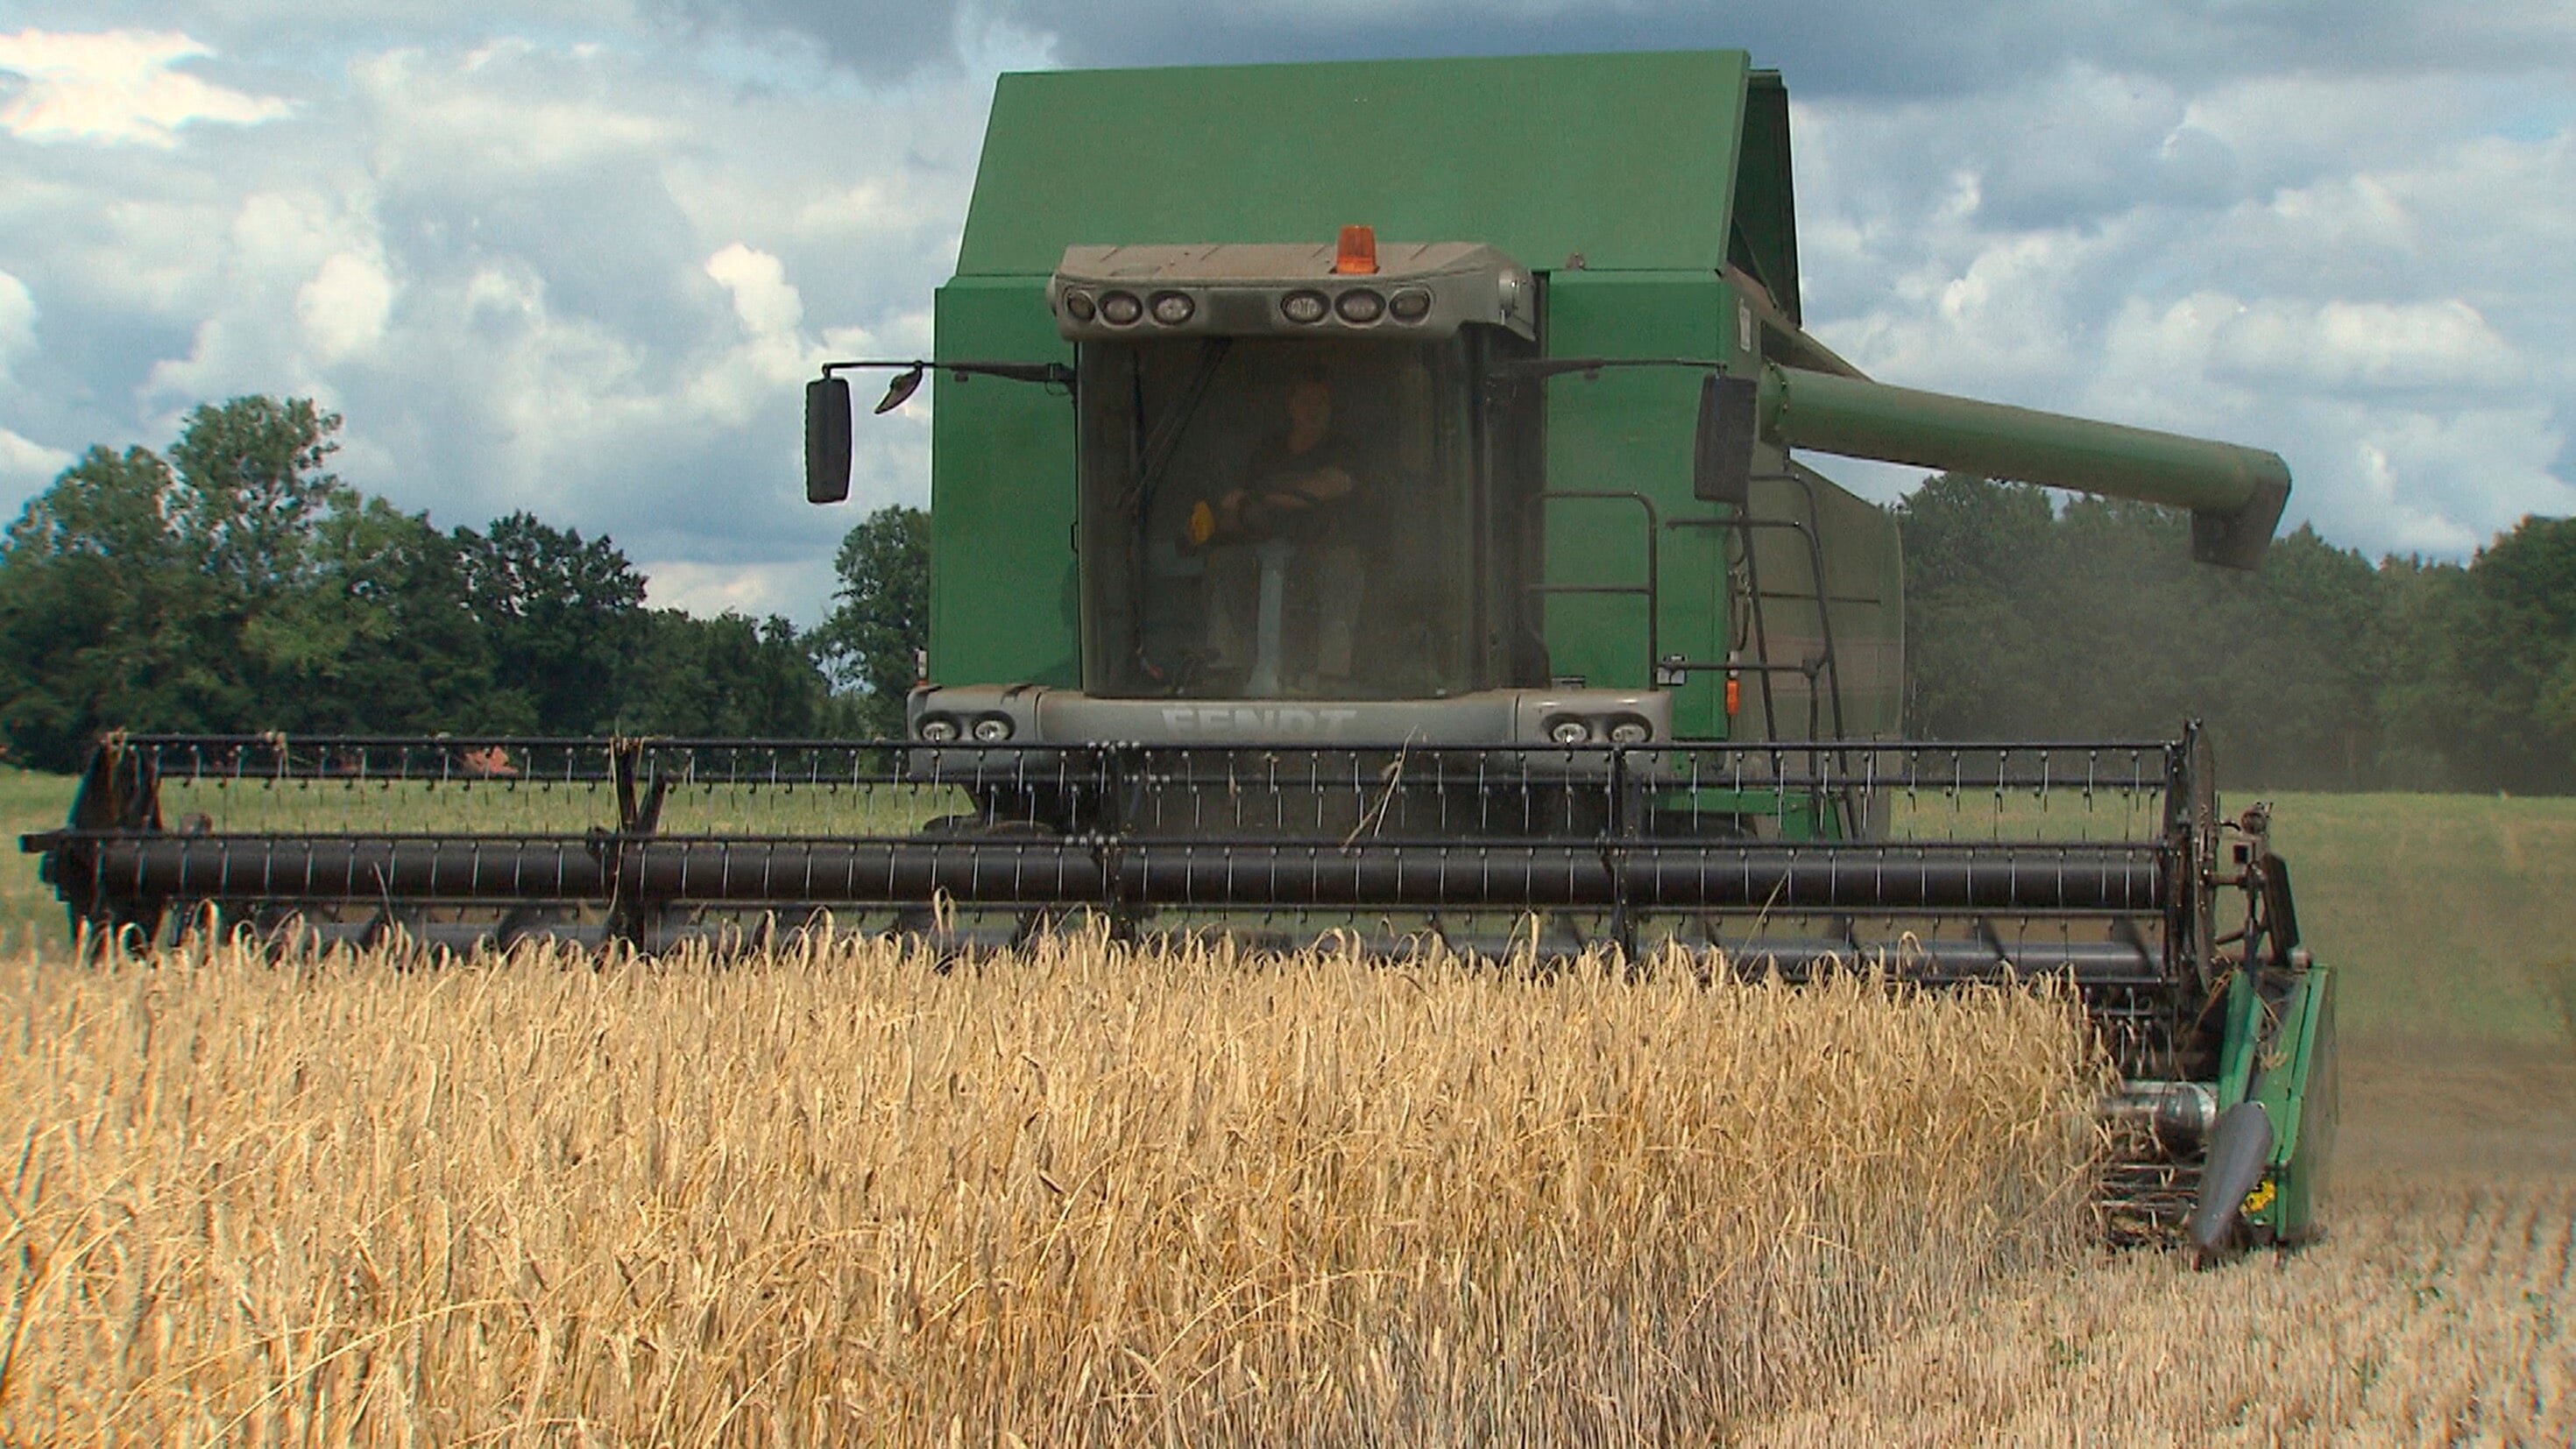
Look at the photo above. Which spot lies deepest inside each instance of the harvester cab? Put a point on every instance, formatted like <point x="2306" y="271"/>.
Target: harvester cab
<point x="1375" y="498"/>
<point x="1280" y="493"/>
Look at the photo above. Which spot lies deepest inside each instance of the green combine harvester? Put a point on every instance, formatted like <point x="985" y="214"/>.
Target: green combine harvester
<point x="1369" y="499"/>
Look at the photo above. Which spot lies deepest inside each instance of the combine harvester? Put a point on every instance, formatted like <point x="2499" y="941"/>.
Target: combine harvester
<point x="1364" y="500"/>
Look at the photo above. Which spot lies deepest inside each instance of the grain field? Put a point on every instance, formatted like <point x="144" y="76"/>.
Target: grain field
<point x="1082" y="1196"/>
<point x="2440" y="1309"/>
<point x="2435" y="1312"/>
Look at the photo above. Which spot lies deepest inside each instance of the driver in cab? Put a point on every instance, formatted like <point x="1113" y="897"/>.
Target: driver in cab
<point x="1294" y="479"/>
<point x="1301" y="488"/>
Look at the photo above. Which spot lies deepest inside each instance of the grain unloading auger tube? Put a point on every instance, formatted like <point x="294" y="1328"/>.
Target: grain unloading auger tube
<point x="2104" y="864"/>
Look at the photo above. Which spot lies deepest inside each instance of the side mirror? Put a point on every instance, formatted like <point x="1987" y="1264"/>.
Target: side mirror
<point x="900" y="391"/>
<point x="827" y="440"/>
<point x="1722" y="450"/>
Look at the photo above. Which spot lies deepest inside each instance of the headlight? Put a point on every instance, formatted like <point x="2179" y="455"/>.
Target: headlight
<point x="938" y="729"/>
<point x="1410" y="305"/>
<point x="1173" y="308"/>
<point x="1565" y="729"/>
<point x="1120" y="308"/>
<point x="1630" y="730"/>
<point x="992" y="729"/>
<point x="1077" y="305"/>
<point x="1303" y="308"/>
<point x="1360" y="305"/>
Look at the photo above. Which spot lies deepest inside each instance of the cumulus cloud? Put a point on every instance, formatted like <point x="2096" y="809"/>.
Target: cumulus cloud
<point x="2367" y="299"/>
<point x="342" y="311"/>
<point x="773" y="356"/>
<point x="116" y="86"/>
<point x="761" y="296"/>
<point x="575" y="278"/>
<point x="295" y="286"/>
<point x="17" y="322"/>
<point x="2344" y="344"/>
<point x="758" y="590"/>
<point x="28" y="463"/>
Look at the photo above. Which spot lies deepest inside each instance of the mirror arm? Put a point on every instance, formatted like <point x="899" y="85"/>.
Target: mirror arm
<point x="827" y="409"/>
<point x="1544" y="368"/>
<point x="1051" y="374"/>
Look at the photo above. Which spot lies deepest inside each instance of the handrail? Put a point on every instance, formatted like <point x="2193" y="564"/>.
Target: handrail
<point x="1829" y="660"/>
<point x="1651" y="590"/>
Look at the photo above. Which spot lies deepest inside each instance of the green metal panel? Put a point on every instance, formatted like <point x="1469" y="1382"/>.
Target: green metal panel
<point x="1004" y="601"/>
<point x="2240" y="1039"/>
<point x="1627" y="159"/>
<point x="1630" y="431"/>
<point x="1765" y="236"/>
<point x="2299" y="1090"/>
<point x="2288" y="1063"/>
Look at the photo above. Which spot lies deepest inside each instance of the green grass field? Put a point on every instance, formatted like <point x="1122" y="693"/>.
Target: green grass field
<point x="28" y="910"/>
<point x="2453" y="917"/>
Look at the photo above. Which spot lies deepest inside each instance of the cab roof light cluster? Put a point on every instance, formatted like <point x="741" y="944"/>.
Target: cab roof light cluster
<point x="1358" y="306"/>
<point x="1126" y="309"/>
<point x="1355" y="255"/>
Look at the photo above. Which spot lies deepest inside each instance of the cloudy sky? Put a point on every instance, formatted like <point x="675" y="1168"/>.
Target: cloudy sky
<point x="578" y="257"/>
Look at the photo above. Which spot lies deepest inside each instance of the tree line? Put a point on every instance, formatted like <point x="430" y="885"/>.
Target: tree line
<point x="2031" y="617"/>
<point x="234" y="584"/>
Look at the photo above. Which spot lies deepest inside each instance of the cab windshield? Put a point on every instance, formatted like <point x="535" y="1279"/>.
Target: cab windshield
<point x="1281" y="519"/>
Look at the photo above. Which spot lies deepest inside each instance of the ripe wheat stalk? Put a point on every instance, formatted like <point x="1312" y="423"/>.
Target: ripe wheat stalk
<point x="1086" y="1194"/>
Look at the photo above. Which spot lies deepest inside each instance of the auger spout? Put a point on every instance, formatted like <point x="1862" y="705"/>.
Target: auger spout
<point x="2235" y="494"/>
